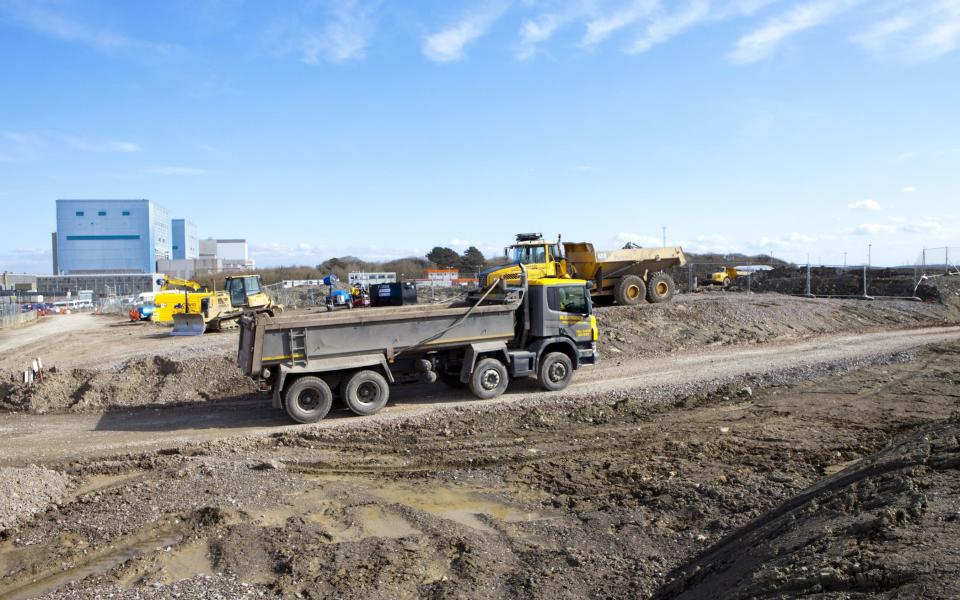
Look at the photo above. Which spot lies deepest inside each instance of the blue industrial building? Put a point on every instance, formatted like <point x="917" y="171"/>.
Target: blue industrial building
<point x="186" y="245"/>
<point x="111" y="236"/>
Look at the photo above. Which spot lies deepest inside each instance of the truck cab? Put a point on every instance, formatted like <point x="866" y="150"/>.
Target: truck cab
<point x="539" y="257"/>
<point x="246" y="291"/>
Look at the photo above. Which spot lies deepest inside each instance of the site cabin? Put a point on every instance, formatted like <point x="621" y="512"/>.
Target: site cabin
<point x="545" y="329"/>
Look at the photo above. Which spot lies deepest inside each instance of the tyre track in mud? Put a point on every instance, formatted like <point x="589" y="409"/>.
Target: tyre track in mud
<point x="32" y="439"/>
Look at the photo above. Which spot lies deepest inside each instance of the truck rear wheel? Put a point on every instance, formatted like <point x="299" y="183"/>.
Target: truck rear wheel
<point x="489" y="379"/>
<point x="555" y="372"/>
<point x="660" y="287"/>
<point x="629" y="290"/>
<point x="308" y="400"/>
<point x="366" y="392"/>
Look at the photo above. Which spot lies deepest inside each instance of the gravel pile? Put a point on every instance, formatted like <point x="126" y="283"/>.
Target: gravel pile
<point x="27" y="491"/>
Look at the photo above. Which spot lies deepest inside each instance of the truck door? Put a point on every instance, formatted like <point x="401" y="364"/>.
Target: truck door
<point x="238" y="295"/>
<point x="572" y="303"/>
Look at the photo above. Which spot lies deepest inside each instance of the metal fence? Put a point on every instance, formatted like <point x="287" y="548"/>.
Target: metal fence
<point x="935" y="261"/>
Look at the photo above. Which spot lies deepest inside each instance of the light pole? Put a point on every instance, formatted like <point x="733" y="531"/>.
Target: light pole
<point x="869" y="255"/>
<point x="844" y="260"/>
<point x="664" y="228"/>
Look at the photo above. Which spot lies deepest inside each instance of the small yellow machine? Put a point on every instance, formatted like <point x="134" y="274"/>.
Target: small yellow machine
<point x="177" y="296"/>
<point x="723" y="278"/>
<point x="241" y="294"/>
<point x="627" y="275"/>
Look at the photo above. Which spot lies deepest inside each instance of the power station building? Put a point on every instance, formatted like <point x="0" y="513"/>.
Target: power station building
<point x="111" y="236"/>
<point x="186" y="245"/>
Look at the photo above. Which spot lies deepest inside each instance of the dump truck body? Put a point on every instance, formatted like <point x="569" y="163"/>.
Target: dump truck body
<point x="546" y="330"/>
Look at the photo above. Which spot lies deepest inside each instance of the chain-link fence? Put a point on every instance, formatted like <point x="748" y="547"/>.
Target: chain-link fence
<point x="936" y="261"/>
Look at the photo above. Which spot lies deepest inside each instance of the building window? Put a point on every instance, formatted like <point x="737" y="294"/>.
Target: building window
<point x="126" y="213"/>
<point x="79" y="213"/>
<point x="102" y="213"/>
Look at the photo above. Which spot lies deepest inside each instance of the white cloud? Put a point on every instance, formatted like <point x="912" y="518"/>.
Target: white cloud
<point x="926" y="226"/>
<point x="802" y="238"/>
<point x="174" y="171"/>
<point x="537" y="30"/>
<point x="917" y="30"/>
<point x="342" y="32"/>
<point x="109" y="146"/>
<point x="53" y="21"/>
<point x="601" y="27"/>
<point x="873" y="229"/>
<point x="668" y="26"/>
<point x="448" y="45"/>
<point x="867" y="204"/>
<point x="764" y="42"/>
<point x="909" y="189"/>
<point x="459" y="242"/>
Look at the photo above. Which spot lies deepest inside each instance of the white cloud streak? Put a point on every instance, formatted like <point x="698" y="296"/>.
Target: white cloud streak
<point x="342" y="32"/>
<point x="601" y="27"/>
<point x="449" y="44"/>
<point x="764" y="42"/>
<point x="867" y="204"/>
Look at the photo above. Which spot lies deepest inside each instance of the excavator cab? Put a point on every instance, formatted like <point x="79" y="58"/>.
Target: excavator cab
<point x="246" y="292"/>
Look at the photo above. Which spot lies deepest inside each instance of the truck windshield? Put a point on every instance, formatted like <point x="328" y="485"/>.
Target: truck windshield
<point x="568" y="299"/>
<point x="528" y="254"/>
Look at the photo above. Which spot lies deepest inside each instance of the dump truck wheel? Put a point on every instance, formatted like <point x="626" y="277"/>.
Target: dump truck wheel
<point x="489" y="379"/>
<point x="660" y="288"/>
<point x="308" y="400"/>
<point x="366" y="392"/>
<point x="629" y="290"/>
<point x="555" y="372"/>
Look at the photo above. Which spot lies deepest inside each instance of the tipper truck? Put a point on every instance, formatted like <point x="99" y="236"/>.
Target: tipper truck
<point x="543" y="328"/>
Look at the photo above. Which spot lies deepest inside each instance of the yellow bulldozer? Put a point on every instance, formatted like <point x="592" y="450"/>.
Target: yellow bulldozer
<point x="220" y="309"/>
<point x="627" y="275"/>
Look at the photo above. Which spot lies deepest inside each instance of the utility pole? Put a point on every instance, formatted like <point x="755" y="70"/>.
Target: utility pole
<point x="869" y="255"/>
<point x="844" y="261"/>
<point x="664" y="236"/>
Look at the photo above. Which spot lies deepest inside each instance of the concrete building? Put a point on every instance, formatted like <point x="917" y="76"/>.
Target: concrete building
<point x="21" y="282"/>
<point x="111" y="236"/>
<point x="185" y="243"/>
<point x="190" y="268"/>
<point x="233" y="253"/>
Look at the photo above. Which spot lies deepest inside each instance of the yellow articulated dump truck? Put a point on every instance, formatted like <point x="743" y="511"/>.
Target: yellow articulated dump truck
<point x="627" y="276"/>
<point x="241" y="294"/>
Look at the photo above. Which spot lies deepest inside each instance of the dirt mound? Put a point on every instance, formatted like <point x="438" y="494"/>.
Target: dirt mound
<point x="889" y="526"/>
<point x="154" y="381"/>
<point x="27" y="491"/>
<point x="713" y="319"/>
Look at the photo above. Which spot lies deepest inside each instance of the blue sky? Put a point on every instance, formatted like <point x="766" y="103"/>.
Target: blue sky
<point x="381" y="128"/>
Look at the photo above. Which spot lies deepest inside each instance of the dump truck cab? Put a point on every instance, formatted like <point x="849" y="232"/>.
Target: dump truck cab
<point x="539" y="257"/>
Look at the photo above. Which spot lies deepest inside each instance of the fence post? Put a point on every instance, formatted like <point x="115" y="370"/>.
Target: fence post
<point x="749" y="284"/>
<point x="808" y="294"/>
<point x="946" y="259"/>
<point x="865" y="295"/>
<point x="924" y="261"/>
<point x="689" y="277"/>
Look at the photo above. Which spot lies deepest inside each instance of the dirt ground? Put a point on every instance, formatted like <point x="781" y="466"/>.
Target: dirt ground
<point x="841" y="486"/>
<point x="814" y="455"/>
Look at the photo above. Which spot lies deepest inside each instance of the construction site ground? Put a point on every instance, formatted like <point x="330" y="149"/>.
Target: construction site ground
<point x="728" y="445"/>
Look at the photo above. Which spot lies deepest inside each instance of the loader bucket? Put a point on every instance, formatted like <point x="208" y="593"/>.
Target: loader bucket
<point x="188" y="324"/>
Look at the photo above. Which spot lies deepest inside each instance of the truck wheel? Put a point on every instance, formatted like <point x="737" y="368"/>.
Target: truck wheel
<point x="308" y="400"/>
<point x="660" y="288"/>
<point x="366" y="392"/>
<point x="555" y="372"/>
<point x="489" y="379"/>
<point x="629" y="290"/>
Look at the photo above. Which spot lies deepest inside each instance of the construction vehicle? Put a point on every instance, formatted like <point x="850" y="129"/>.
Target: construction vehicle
<point x="241" y="294"/>
<point x="177" y="296"/>
<point x="627" y="276"/>
<point x="542" y="327"/>
<point x="724" y="277"/>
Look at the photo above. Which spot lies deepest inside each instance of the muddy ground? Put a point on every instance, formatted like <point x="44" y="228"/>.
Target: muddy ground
<point x="841" y="486"/>
<point x="104" y="362"/>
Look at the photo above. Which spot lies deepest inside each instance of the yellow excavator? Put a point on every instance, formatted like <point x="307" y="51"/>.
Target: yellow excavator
<point x="627" y="275"/>
<point x="218" y="310"/>
<point x="177" y="296"/>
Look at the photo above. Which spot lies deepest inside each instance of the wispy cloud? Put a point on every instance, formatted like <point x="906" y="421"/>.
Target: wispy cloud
<point x="667" y="26"/>
<point x="108" y="146"/>
<point x="909" y="189"/>
<point x="873" y="229"/>
<point x="448" y="45"/>
<point x="867" y="204"/>
<point x="602" y="26"/>
<point x="55" y="21"/>
<point x="342" y="31"/>
<point x="764" y="42"/>
<point x="535" y="31"/>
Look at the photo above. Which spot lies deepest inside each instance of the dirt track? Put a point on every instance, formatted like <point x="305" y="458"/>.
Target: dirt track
<point x="52" y="438"/>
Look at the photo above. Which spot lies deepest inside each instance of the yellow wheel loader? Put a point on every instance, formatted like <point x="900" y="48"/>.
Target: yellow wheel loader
<point x="628" y="275"/>
<point x="241" y="294"/>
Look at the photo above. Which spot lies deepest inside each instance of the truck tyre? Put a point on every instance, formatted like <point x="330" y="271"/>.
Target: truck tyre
<point x="366" y="392"/>
<point x="555" y="372"/>
<point x="660" y="288"/>
<point x="629" y="290"/>
<point x="308" y="400"/>
<point x="489" y="379"/>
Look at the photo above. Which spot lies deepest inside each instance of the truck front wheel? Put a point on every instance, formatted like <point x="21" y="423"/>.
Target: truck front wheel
<point x="489" y="379"/>
<point x="556" y="371"/>
<point x="366" y="392"/>
<point x="308" y="400"/>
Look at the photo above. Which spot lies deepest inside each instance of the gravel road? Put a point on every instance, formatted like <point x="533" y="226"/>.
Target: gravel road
<point x="46" y="439"/>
